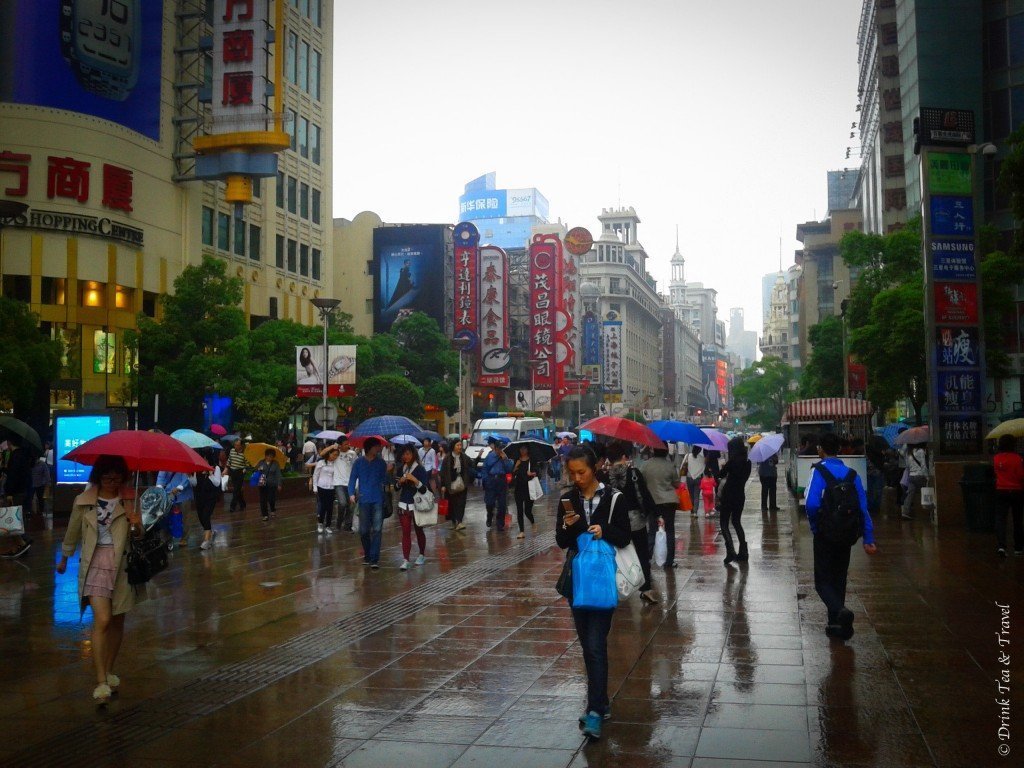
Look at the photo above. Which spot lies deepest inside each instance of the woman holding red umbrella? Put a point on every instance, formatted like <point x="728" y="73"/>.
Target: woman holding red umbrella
<point x="102" y="518"/>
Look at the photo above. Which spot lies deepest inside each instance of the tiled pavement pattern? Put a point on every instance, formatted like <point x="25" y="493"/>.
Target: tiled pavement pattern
<point x="279" y="648"/>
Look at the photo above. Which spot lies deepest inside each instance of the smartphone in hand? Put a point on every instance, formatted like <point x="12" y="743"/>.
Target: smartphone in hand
<point x="569" y="516"/>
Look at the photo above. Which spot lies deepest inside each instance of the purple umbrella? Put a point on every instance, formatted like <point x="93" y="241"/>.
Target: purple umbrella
<point x="717" y="441"/>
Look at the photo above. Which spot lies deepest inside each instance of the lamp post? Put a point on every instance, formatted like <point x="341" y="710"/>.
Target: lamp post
<point x="460" y="345"/>
<point x="326" y="307"/>
<point x="533" y="362"/>
<point x="842" y="328"/>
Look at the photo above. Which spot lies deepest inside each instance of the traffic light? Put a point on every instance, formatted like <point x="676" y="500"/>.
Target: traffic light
<point x="699" y="413"/>
<point x="737" y="420"/>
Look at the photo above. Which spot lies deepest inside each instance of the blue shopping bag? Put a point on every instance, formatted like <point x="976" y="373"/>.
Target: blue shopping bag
<point x="593" y="574"/>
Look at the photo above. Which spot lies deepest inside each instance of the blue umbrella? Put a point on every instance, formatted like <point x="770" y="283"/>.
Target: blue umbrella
<point x="889" y="432"/>
<point x="499" y="439"/>
<point x="678" y="432"/>
<point x="434" y="436"/>
<point x="386" y="426"/>
<point x="194" y="439"/>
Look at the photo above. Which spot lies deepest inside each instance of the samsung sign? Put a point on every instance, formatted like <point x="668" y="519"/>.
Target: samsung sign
<point x="502" y="203"/>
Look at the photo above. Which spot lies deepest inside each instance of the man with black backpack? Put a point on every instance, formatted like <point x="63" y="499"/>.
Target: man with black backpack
<point x="837" y="510"/>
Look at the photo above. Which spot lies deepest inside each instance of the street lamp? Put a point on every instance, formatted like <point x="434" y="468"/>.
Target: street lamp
<point x="326" y="307"/>
<point x="842" y="328"/>
<point x="460" y="345"/>
<point x="533" y="362"/>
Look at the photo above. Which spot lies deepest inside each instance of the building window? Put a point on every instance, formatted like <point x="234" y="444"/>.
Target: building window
<point x="316" y="264"/>
<point x="304" y="8"/>
<point x="207" y="226"/>
<point x="304" y="200"/>
<point x="1016" y="38"/>
<point x="314" y="143"/>
<point x="292" y="126"/>
<point x="149" y="303"/>
<point x="19" y="287"/>
<point x="303" y="69"/>
<point x="280" y="189"/>
<point x="273" y="308"/>
<point x="315" y="206"/>
<point x="54" y="290"/>
<point x="239" y="237"/>
<point x="290" y="52"/>
<point x="254" y="243"/>
<point x="314" y="74"/>
<point x="223" y="231"/>
<point x="314" y="12"/>
<point x="279" y="252"/>
<point x="90" y="293"/>
<point x="304" y="260"/>
<point x="291" y="255"/>
<point x="292" y="193"/>
<point x="303" y="137"/>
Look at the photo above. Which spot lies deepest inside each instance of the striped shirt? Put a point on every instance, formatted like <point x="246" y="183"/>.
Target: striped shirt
<point x="236" y="460"/>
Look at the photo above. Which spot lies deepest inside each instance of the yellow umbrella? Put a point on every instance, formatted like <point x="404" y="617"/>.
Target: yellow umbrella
<point x="255" y="453"/>
<point x="1013" y="427"/>
<point x="753" y="439"/>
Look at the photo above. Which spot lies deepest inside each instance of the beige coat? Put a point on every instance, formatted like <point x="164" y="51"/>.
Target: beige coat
<point x="83" y="527"/>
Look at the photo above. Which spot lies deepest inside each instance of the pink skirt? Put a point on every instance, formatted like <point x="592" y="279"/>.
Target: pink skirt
<point x="99" y="581"/>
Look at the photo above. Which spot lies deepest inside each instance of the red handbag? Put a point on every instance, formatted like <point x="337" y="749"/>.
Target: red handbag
<point x="683" y="494"/>
<point x="442" y="507"/>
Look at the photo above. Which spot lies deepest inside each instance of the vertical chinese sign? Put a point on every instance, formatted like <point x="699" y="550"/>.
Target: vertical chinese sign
<point x="494" y="337"/>
<point x="578" y="241"/>
<point x="466" y="238"/>
<point x="545" y="258"/>
<point x="952" y="290"/>
<point x="612" y="335"/>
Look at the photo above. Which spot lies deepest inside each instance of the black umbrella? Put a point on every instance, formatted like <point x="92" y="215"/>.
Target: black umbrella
<point x="22" y="430"/>
<point x="539" y="450"/>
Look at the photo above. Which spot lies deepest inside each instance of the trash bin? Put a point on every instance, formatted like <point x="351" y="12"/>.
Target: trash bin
<point x="978" y="486"/>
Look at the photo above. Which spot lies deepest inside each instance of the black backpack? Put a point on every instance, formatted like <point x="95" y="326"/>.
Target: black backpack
<point x="840" y="520"/>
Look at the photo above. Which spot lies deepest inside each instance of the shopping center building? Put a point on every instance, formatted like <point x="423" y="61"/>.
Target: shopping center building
<point x="99" y="107"/>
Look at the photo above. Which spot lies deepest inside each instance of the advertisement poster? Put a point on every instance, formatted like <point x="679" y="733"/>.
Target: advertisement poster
<point x="93" y="57"/>
<point x="544" y="299"/>
<point x="957" y="346"/>
<point x="70" y="432"/>
<point x="949" y="173"/>
<point x="956" y="303"/>
<point x="953" y="259"/>
<point x="104" y="351"/>
<point x="495" y="357"/>
<point x="959" y="391"/>
<point x="408" y="273"/>
<point x="309" y="371"/>
<point x="960" y="435"/>
<point x="952" y="216"/>
<point x="857" y="378"/>
<point x="591" y="340"/>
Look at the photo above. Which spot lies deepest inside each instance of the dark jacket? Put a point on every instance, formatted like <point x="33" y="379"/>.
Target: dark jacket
<point x="736" y="472"/>
<point x="271" y="471"/>
<point x="406" y="490"/>
<point x="631" y="482"/>
<point x="448" y="471"/>
<point x="521" y="479"/>
<point x="615" y="531"/>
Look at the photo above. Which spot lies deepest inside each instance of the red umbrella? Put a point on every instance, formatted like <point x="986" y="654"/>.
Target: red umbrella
<point x="623" y="429"/>
<point x="218" y="430"/>
<point x="143" y="452"/>
<point x="359" y="441"/>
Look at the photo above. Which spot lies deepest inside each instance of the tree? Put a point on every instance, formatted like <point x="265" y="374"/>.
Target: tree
<point x="764" y="389"/>
<point x="200" y="346"/>
<point x="823" y="374"/>
<point x="29" y="362"/>
<point x="387" y="394"/>
<point x="428" y="359"/>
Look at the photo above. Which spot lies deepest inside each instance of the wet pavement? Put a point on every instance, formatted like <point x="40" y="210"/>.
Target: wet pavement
<point x="277" y="647"/>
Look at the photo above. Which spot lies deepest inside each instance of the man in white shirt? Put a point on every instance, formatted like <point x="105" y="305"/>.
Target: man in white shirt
<point x="693" y="470"/>
<point x="342" y="473"/>
<point x="428" y="460"/>
<point x="308" y="453"/>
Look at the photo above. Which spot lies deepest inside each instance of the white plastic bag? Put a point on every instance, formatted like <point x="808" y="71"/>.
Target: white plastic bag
<point x="660" y="547"/>
<point x="535" y="488"/>
<point x="629" y="576"/>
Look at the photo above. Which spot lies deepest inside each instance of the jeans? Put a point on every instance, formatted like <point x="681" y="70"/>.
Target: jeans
<point x="496" y="500"/>
<point x="524" y="506"/>
<point x="831" y="562"/>
<point x="693" y="486"/>
<point x="371" y="521"/>
<point x="325" y="506"/>
<point x="915" y="484"/>
<point x="237" y="485"/>
<point x="268" y="500"/>
<point x="731" y="516"/>
<point x="768" y="492"/>
<point x="667" y="512"/>
<point x="1010" y="504"/>
<point x="345" y="510"/>
<point x="592" y="627"/>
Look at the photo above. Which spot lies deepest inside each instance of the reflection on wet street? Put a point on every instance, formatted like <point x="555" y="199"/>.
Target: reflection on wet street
<point x="278" y="647"/>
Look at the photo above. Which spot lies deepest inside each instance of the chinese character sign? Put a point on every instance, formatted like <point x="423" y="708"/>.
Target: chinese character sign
<point x="612" y="334"/>
<point x="591" y="340"/>
<point x="952" y="216"/>
<point x="956" y="302"/>
<point x="957" y="347"/>
<point x="240" y="65"/>
<point x="568" y="335"/>
<point x="466" y="262"/>
<point x="495" y="357"/>
<point x="544" y="299"/>
<point x="953" y="259"/>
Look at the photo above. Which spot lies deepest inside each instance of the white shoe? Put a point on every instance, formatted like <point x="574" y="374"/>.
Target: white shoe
<point x="404" y="566"/>
<point x="319" y="528"/>
<point x="207" y="544"/>
<point x="101" y="693"/>
<point x="113" y="681"/>
<point x="328" y="530"/>
<point x="421" y="560"/>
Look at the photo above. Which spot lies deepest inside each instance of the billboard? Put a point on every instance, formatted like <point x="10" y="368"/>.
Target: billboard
<point x="309" y="370"/>
<point x="408" y="273"/>
<point x="95" y="57"/>
<point x="69" y="433"/>
<point x="545" y="255"/>
<point x="501" y="203"/>
<point x="495" y="356"/>
<point x="240" y="55"/>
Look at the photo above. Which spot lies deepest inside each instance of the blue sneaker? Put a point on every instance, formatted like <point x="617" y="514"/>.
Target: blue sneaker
<point x="592" y="726"/>
<point x="583" y="718"/>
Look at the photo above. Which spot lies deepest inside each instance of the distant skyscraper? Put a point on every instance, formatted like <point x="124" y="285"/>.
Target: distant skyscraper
<point x="503" y="216"/>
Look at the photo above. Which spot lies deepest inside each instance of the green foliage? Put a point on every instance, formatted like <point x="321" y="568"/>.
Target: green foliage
<point x="427" y="358"/>
<point x="1011" y="182"/>
<point x="764" y="388"/>
<point x="1000" y="272"/>
<point x="29" y="361"/>
<point x="265" y="419"/>
<point x="387" y="394"/>
<point x="822" y="376"/>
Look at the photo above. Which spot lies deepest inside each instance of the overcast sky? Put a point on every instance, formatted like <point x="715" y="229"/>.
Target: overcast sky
<point x="719" y="117"/>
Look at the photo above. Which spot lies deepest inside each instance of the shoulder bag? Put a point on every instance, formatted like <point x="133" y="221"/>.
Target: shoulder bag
<point x="564" y="584"/>
<point x="629" y="576"/>
<point x="424" y="509"/>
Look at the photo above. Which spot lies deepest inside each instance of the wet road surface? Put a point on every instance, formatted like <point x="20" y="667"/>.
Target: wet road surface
<point x="278" y="647"/>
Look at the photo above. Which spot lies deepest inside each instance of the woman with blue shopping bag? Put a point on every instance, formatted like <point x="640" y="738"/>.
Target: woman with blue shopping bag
<point x="588" y="524"/>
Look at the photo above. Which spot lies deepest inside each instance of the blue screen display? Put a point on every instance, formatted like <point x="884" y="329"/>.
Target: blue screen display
<point x="71" y="432"/>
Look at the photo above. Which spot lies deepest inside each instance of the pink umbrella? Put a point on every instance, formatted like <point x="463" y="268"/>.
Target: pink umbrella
<point x="913" y="436"/>
<point x="218" y="430"/>
<point x="717" y="441"/>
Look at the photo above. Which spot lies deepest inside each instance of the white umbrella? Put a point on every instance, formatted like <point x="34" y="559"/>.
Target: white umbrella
<point x="405" y="440"/>
<point x="330" y="434"/>
<point x="766" y="447"/>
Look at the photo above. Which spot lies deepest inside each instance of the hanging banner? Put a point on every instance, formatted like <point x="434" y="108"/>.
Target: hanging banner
<point x="612" y="335"/>
<point x="495" y="358"/>
<point x="467" y="260"/>
<point x="544" y="298"/>
<point x="567" y="331"/>
<point x="240" y="56"/>
<point x="591" y="340"/>
<point x="309" y="368"/>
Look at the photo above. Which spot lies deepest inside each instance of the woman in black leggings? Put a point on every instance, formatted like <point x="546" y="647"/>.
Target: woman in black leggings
<point x="732" y="498"/>
<point x="207" y="492"/>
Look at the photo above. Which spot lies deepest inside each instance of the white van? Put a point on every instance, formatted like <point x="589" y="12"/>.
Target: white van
<point x="510" y="426"/>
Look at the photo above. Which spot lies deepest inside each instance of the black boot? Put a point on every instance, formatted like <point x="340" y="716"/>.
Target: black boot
<point x="730" y="555"/>
<point x="742" y="556"/>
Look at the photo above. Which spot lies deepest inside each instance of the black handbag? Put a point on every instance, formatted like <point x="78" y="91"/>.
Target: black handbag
<point x="564" y="584"/>
<point x="147" y="556"/>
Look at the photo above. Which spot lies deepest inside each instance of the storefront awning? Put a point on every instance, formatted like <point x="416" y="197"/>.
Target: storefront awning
<point x="827" y="408"/>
